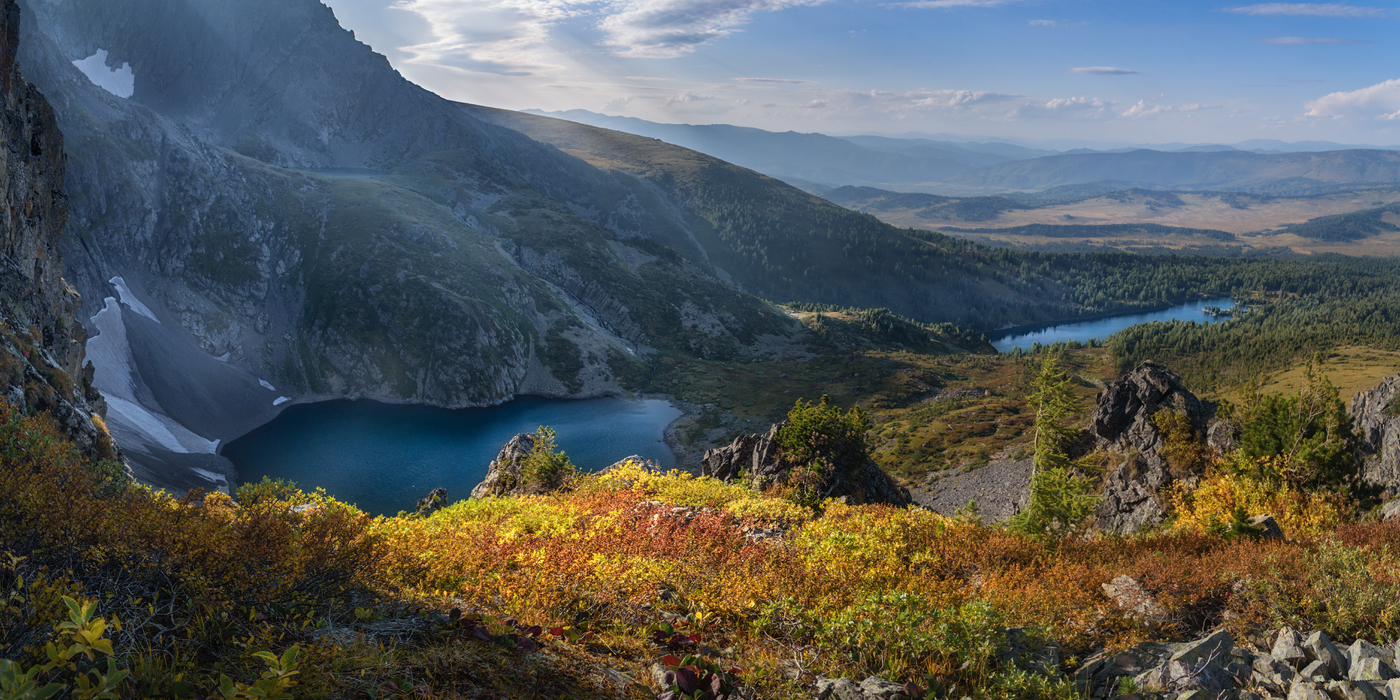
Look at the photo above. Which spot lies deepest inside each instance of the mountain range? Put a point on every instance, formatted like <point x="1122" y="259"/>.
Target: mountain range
<point x="818" y="162"/>
<point x="263" y="211"/>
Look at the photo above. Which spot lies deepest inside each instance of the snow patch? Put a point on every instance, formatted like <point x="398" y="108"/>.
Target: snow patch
<point x="118" y="81"/>
<point x="267" y="386"/>
<point x="280" y="400"/>
<point x="211" y="476"/>
<point x="130" y="299"/>
<point x="224" y="357"/>
<point x="115" y="377"/>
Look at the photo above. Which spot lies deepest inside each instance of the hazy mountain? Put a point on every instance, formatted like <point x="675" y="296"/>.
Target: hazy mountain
<point x="263" y="211"/>
<point x="1218" y="170"/>
<point x="817" y="158"/>
<point x="478" y="265"/>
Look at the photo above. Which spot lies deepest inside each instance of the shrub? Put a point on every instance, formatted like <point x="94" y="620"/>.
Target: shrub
<point x="547" y="468"/>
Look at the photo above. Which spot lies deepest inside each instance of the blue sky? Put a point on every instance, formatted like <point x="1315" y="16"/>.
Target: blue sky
<point x="1127" y="71"/>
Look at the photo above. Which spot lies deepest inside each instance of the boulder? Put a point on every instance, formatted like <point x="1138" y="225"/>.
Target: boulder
<point x="1122" y="422"/>
<point x="1307" y="690"/>
<point x="1350" y="690"/>
<point x="755" y="461"/>
<point x="503" y="477"/>
<point x="1271" y="529"/>
<point x="1132" y="599"/>
<point x="1390" y="510"/>
<point x="1375" y="415"/>
<point x="1320" y="648"/>
<point x="1288" y="648"/>
<point x="1222" y="436"/>
<point x="433" y="502"/>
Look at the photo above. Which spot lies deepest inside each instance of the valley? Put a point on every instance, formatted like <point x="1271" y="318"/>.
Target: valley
<point x="319" y="383"/>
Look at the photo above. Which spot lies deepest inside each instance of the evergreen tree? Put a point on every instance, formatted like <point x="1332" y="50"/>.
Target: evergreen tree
<point x="1061" y="498"/>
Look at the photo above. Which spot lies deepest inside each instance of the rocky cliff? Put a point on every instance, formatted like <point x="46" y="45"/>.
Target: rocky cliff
<point x="233" y="265"/>
<point x="1122" y="422"/>
<point x="41" y="340"/>
<point x="1375" y="415"/>
<point x="758" y="461"/>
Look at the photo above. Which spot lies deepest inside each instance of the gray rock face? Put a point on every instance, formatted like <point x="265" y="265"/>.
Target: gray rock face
<point x="1375" y="415"/>
<point x="756" y="460"/>
<point x="435" y="500"/>
<point x="1320" y="648"/>
<point x="503" y="476"/>
<point x="41" y="348"/>
<point x="477" y="266"/>
<point x="1122" y="422"/>
<point x="1288" y="648"/>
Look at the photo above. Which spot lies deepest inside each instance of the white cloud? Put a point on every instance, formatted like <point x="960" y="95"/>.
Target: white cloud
<point x="1379" y="101"/>
<point x="494" y="36"/>
<point x="1305" y="41"/>
<point x="669" y="28"/>
<point x="1102" y="70"/>
<point x="773" y="81"/>
<point x="1303" y="9"/>
<point x="513" y="37"/>
<point x="944" y="4"/>
<point x="1142" y="109"/>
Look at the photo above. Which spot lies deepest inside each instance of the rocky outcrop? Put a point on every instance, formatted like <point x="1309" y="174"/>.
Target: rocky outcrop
<point x="757" y="461"/>
<point x="41" y="340"/>
<point x="1375" y="416"/>
<point x="503" y="476"/>
<point x="433" y="502"/>
<point x="1122" y="422"/>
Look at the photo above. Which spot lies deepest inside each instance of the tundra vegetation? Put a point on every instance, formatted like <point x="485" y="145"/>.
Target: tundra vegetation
<point x="616" y="582"/>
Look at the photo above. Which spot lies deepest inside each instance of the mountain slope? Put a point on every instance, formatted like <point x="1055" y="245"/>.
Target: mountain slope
<point x="478" y="265"/>
<point x="813" y="157"/>
<point x="784" y="244"/>
<point x="1221" y="170"/>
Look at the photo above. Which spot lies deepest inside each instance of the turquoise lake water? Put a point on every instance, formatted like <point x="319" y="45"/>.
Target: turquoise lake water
<point x="384" y="457"/>
<point x="1101" y="328"/>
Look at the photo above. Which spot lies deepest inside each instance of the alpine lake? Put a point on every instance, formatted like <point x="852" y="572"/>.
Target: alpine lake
<point x="384" y="457"/>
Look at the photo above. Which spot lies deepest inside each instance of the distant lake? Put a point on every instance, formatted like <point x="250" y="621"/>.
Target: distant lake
<point x="384" y="457"/>
<point x="1101" y="328"/>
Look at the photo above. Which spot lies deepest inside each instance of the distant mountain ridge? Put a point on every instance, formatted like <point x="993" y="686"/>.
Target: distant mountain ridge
<point x="819" y="162"/>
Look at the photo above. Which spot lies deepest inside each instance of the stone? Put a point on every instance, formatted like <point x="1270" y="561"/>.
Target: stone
<point x="838" y="689"/>
<point x="503" y="475"/>
<point x="1271" y="528"/>
<point x="433" y="502"/>
<point x="874" y="688"/>
<point x="1377" y="429"/>
<point x="1307" y="690"/>
<point x="1316" y="671"/>
<point x="1320" y="648"/>
<point x="1349" y="690"/>
<point x="1222" y="436"/>
<point x="1288" y="648"/>
<point x="755" y="460"/>
<point x="1390" y="510"/>
<point x="1197" y="694"/>
<point x="1392" y="689"/>
<point x="1371" y="668"/>
<point x="1131" y="598"/>
<point x="1213" y="648"/>
<point x="1122" y="422"/>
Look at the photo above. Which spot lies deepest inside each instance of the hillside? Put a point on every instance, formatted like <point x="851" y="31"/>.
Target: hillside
<point x="1280" y="174"/>
<point x="818" y="158"/>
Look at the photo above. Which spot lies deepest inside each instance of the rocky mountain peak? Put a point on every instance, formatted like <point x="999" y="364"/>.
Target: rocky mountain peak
<point x="1122" y="422"/>
<point x="41" y="340"/>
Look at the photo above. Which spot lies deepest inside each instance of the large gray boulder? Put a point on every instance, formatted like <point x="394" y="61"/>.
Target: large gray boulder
<point x="1375" y="415"/>
<point x="1122" y="422"/>
<point x="503" y="476"/>
<point x="756" y="461"/>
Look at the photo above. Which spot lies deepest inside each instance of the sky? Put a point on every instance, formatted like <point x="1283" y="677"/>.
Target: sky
<point x="1135" y="71"/>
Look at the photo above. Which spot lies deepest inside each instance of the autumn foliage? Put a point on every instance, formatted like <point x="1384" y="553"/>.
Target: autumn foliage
<point x="629" y="569"/>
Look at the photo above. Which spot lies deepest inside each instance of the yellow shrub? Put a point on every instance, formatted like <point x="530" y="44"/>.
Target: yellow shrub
<point x="1213" y="503"/>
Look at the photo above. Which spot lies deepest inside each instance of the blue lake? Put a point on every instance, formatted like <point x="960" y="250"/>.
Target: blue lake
<point x="1101" y="328"/>
<point x="384" y="457"/>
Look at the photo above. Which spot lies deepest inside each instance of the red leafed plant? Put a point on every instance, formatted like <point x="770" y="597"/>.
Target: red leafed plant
<point x="696" y="678"/>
